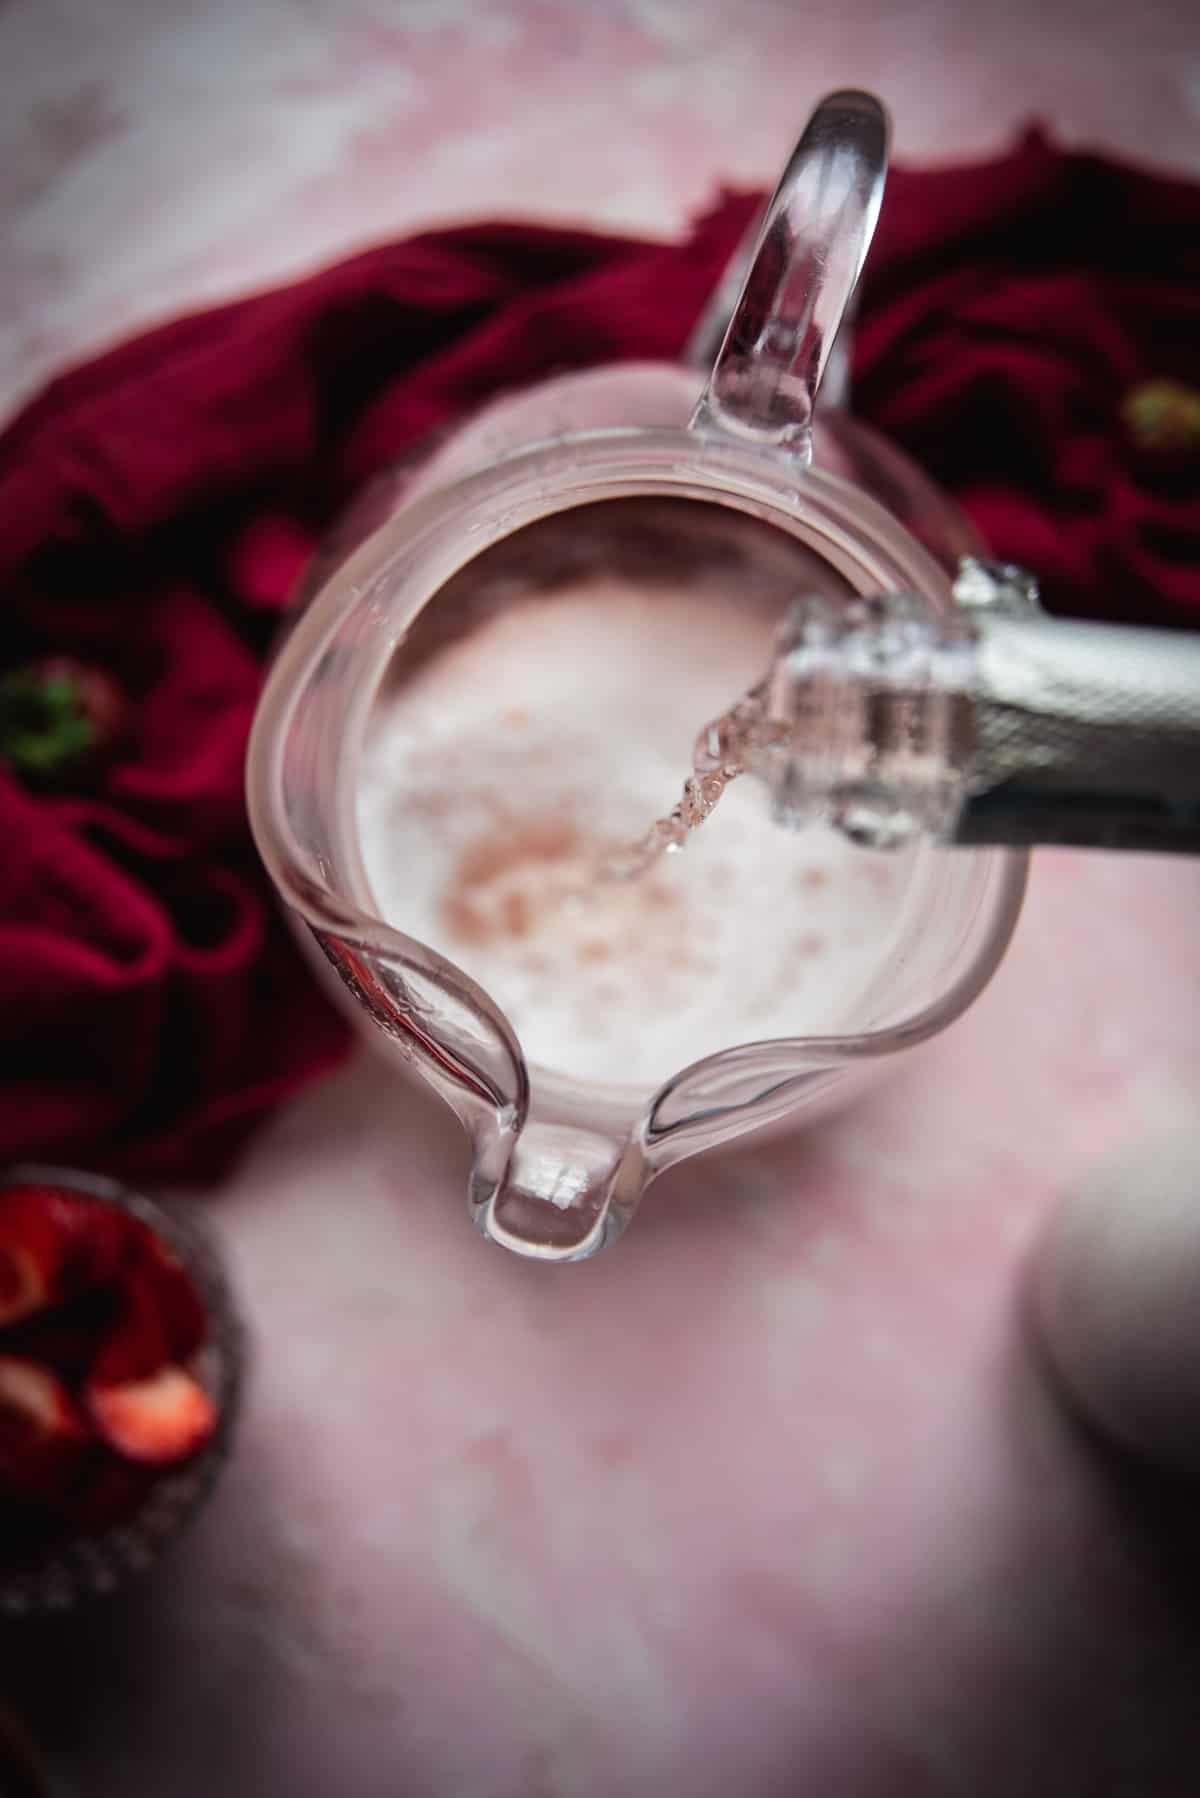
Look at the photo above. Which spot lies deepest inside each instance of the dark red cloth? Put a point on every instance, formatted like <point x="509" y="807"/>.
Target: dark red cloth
<point x="156" y="505"/>
<point x="1009" y="312"/>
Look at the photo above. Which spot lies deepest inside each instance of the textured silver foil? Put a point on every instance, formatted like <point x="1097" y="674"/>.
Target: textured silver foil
<point x="1084" y="733"/>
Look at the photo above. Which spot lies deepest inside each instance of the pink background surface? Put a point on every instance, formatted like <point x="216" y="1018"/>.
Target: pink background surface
<point x="772" y="1498"/>
<point x="156" y="154"/>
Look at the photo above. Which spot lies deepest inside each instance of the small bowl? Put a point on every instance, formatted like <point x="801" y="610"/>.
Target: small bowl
<point x="91" y="1565"/>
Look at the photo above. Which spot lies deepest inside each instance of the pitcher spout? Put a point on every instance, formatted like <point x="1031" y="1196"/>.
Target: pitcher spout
<point x="555" y="1192"/>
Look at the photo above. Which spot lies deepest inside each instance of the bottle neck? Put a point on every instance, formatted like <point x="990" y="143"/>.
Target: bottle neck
<point x="990" y="724"/>
<point x="866" y="718"/>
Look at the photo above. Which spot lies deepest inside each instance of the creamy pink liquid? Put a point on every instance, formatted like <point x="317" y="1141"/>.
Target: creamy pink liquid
<point x="511" y="762"/>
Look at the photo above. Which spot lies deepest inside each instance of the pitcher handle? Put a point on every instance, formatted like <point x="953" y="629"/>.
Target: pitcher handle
<point x="810" y="251"/>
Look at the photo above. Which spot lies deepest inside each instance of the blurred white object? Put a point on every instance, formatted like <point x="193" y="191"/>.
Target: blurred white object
<point x="1118" y="1293"/>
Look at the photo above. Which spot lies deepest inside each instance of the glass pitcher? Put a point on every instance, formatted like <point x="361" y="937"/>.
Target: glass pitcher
<point x="495" y="681"/>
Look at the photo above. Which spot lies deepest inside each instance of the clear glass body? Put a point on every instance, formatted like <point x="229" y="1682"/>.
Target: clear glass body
<point x="497" y="674"/>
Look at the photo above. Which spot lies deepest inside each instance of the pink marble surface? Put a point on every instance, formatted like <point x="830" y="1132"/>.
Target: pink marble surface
<point x="772" y="1498"/>
<point x="156" y="154"/>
